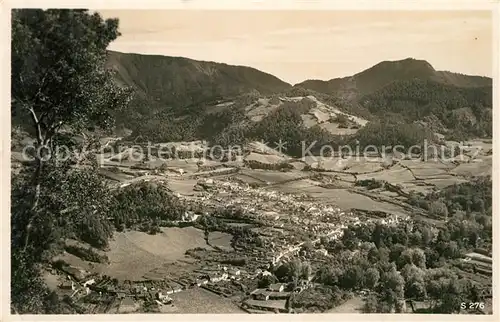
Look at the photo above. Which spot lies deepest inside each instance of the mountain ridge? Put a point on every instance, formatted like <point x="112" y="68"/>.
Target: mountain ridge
<point x="181" y="91"/>
<point x="184" y="81"/>
<point x="386" y="72"/>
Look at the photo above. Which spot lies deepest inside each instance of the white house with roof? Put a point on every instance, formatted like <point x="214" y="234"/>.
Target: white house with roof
<point x="278" y="287"/>
<point x="164" y="298"/>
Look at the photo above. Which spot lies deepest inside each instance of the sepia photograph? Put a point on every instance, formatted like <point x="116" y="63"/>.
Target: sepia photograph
<point x="196" y="161"/>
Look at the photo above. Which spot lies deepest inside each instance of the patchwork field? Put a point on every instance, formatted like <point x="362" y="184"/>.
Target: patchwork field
<point x="336" y="130"/>
<point x="480" y="168"/>
<point x="299" y="186"/>
<point x="220" y="240"/>
<point x="171" y="270"/>
<point x="395" y="175"/>
<point x="271" y="176"/>
<point x="363" y="166"/>
<point x="257" y="111"/>
<point x="183" y="187"/>
<point x="198" y="300"/>
<point x="149" y="251"/>
<point x="340" y="197"/>
<point x="264" y="158"/>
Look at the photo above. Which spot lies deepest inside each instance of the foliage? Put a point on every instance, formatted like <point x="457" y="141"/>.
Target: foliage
<point x="87" y="254"/>
<point x="472" y="196"/>
<point x="392" y="290"/>
<point x="319" y="299"/>
<point x="294" y="270"/>
<point x="266" y="281"/>
<point x="468" y="204"/>
<point x="371" y="304"/>
<point x="342" y="120"/>
<point x="372" y="277"/>
<point x="415" y="281"/>
<point x="73" y="203"/>
<point x="438" y="209"/>
<point x="416" y="99"/>
<point x="59" y="77"/>
<point x="29" y="295"/>
<point x="243" y="237"/>
<point x="175" y="85"/>
<point x="391" y="132"/>
<point x="285" y="124"/>
<point x="145" y="202"/>
<point x="447" y="290"/>
<point x="404" y="260"/>
<point x="59" y="81"/>
<point x="370" y="184"/>
<point x="210" y="223"/>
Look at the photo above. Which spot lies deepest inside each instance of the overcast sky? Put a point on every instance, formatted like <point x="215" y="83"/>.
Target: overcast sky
<point x="299" y="45"/>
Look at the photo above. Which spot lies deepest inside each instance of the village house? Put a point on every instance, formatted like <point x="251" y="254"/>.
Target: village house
<point x="66" y="285"/>
<point x="322" y="251"/>
<point x="278" y="287"/>
<point x="189" y="216"/>
<point x="200" y="282"/>
<point x="234" y="273"/>
<point x="279" y="295"/>
<point x="89" y="282"/>
<point x="120" y="295"/>
<point x="214" y="278"/>
<point x="163" y="298"/>
<point x="137" y="289"/>
<point x="260" y="294"/>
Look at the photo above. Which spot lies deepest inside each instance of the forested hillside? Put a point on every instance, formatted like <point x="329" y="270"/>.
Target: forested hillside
<point x="465" y="111"/>
<point x="165" y="84"/>
<point x="386" y="72"/>
<point x="171" y="97"/>
<point x="174" y="90"/>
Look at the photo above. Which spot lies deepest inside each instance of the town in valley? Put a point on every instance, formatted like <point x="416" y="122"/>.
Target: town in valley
<point x="174" y="185"/>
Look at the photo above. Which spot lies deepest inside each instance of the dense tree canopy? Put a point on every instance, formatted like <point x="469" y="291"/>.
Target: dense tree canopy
<point x="58" y="70"/>
<point x="59" y="82"/>
<point x="464" y="110"/>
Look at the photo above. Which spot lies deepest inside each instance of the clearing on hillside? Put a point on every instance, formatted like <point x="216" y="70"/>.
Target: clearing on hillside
<point x="133" y="254"/>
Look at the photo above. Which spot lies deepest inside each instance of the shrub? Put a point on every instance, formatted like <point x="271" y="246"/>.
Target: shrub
<point x="235" y="261"/>
<point x="370" y="183"/>
<point x="267" y="280"/>
<point x="438" y="209"/>
<point x="342" y="120"/>
<point x="154" y="229"/>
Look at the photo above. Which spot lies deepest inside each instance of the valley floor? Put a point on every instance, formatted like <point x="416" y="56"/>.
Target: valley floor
<point x="286" y="208"/>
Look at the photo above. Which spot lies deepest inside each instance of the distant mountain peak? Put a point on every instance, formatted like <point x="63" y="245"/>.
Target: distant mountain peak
<point x="387" y="72"/>
<point x="404" y="65"/>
